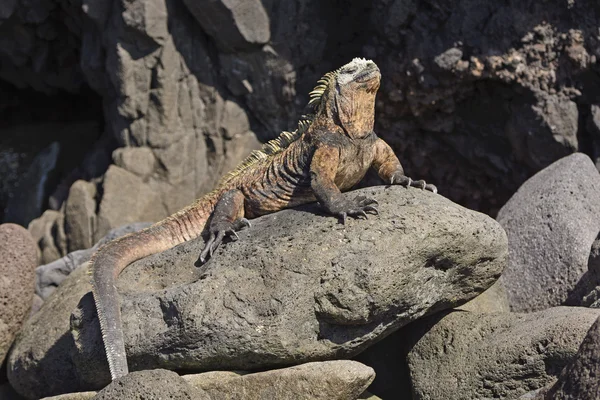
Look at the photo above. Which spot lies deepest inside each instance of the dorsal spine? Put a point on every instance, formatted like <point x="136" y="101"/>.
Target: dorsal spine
<point x="284" y="139"/>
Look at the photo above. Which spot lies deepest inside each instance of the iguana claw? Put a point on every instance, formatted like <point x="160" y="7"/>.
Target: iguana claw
<point x="218" y="233"/>
<point x="400" y="179"/>
<point x="373" y="209"/>
<point x="357" y="207"/>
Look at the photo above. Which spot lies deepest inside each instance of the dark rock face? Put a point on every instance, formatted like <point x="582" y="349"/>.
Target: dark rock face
<point x="481" y="95"/>
<point x="34" y="157"/>
<point x="551" y="223"/>
<point x="18" y="259"/>
<point x="475" y="97"/>
<point x="468" y="355"/>
<point x="28" y="202"/>
<point x="234" y="24"/>
<point x="297" y="287"/>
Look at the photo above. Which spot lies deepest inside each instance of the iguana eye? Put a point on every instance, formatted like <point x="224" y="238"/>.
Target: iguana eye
<point x="350" y="71"/>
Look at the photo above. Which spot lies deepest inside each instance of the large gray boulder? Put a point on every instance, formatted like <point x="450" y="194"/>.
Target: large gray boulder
<point x="327" y="380"/>
<point x="471" y="355"/>
<point x="551" y="223"/>
<point x="300" y="286"/>
<point x="492" y="300"/>
<point x="18" y="259"/>
<point x="39" y="364"/>
<point x="297" y="287"/>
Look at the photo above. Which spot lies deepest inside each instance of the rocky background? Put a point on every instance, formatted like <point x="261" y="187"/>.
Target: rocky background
<point x="121" y="111"/>
<point x="149" y="102"/>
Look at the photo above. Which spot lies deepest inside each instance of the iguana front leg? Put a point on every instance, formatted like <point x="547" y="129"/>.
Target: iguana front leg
<point x="226" y="219"/>
<point x="323" y="168"/>
<point x="389" y="169"/>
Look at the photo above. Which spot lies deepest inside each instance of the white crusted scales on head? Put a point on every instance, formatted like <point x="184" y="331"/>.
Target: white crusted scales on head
<point x="343" y="74"/>
<point x="350" y="71"/>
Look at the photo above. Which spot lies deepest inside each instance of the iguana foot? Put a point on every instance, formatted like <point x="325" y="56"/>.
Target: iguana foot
<point x="218" y="231"/>
<point x="401" y="179"/>
<point x="357" y="207"/>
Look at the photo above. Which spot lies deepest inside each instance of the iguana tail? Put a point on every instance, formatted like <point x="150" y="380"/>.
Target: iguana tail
<point x="115" y="256"/>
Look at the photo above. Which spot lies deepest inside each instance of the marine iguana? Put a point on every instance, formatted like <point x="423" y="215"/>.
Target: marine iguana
<point x="329" y="152"/>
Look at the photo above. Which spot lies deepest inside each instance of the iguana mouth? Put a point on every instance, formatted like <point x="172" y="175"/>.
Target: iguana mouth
<point x="368" y="75"/>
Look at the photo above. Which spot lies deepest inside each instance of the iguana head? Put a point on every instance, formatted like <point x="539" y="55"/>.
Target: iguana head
<point x="347" y="96"/>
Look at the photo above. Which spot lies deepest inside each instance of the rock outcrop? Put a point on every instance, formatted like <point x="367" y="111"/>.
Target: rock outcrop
<point x="297" y="287"/>
<point x="18" y="259"/>
<point x="477" y="105"/>
<point x="46" y="335"/>
<point x="503" y="355"/>
<point x="551" y="223"/>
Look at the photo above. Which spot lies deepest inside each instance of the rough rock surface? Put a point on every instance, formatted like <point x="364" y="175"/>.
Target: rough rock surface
<point x="587" y="291"/>
<point x="47" y="369"/>
<point x="363" y="281"/>
<point x="328" y="380"/>
<point x="48" y="232"/>
<point x="126" y="200"/>
<point x="343" y="380"/>
<point x="492" y="300"/>
<point x="80" y="215"/>
<point x="233" y="24"/>
<point x="579" y="380"/>
<point x="388" y="356"/>
<point x="155" y="384"/>
<point x="262" y="302"/>
<point x="18" y="259"/>
<point x="551" y="223"/>
<point x="49" y="276"/>
<point x="496" y="90"/>
<point x="481" y="355"/>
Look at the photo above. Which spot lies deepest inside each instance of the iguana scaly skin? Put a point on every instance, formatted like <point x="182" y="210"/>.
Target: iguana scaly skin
<point x="329" y="153"/>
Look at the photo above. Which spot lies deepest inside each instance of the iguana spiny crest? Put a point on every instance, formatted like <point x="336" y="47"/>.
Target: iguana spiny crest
<point x="356" y="71"/>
